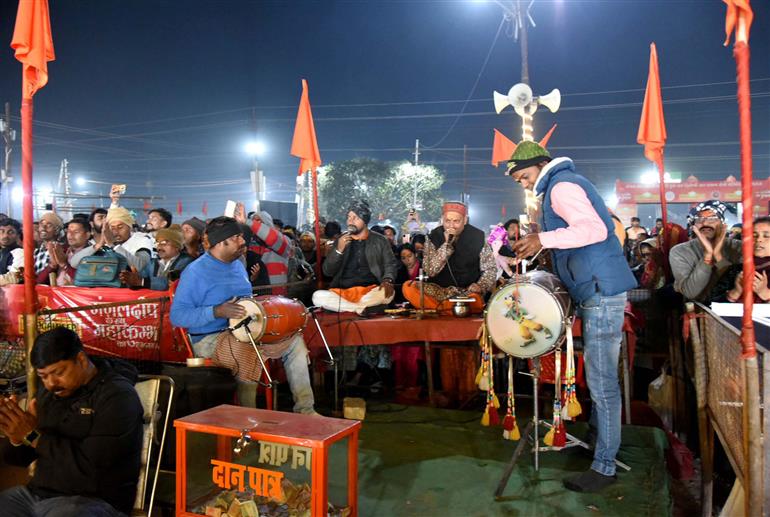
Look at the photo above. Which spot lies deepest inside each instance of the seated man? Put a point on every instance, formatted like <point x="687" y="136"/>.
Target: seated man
<point x="118" y="234"/>
<point x="84" y="428"/>
<point x="193" y="229"/>
<point x="204" y="301"/>
<point x="697" y="265"/>
<point x="168" y="265"/>
<point x="362" y="267"/>
<point x="49" y="230"/>
<point x="458" y="262"/>
<point x="78" y="233"/>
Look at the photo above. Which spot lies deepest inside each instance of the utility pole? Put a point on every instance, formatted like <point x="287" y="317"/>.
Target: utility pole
<point x="523" y="44"/>
<point x="64" y="185"/>
<point x="9" y="136"/>
<point x="416" y="171"/>
<point x="465" y="174"/>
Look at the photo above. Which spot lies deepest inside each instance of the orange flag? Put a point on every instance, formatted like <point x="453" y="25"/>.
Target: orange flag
<point x="652" y="127"/>
<point x="33" y="44"/>
<point x="738" y="12"/>
<point x="502" y="148"/>
<point x="547" y="137"/>
<point x="304" y="145"/>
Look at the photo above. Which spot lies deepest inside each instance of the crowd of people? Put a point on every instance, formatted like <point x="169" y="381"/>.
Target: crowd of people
<point x="365" y="269"/>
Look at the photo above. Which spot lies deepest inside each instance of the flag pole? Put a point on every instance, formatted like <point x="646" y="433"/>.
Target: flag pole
<point x="317" y="226"/>
<point x="663" y="202"/>
<point x="752" y="440"/>
<point x="30" y="294"/>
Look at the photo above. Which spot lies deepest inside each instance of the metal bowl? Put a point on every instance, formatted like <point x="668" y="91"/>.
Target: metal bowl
<point x="461" y="307"/>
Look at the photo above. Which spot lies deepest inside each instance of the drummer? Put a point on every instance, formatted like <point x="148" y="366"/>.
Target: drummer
<point x="205" y="300"/>
<point x="589" y="261"/>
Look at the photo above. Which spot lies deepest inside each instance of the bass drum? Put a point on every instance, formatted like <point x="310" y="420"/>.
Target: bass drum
<point x="526" y="317"/>
<point x="269" y="319"/>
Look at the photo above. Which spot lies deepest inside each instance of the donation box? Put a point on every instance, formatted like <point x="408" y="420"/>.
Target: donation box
<point x="234" y="461"/>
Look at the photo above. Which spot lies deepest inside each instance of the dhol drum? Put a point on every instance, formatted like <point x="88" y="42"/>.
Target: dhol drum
<point x="269" y="319"/>
<point x="527" y="317"/>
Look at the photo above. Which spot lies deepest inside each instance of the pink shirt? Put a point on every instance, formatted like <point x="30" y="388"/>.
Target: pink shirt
<point x="584" y="226"/>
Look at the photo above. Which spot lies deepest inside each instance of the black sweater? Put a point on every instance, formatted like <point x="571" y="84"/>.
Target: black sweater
<point x="91" y="442"/>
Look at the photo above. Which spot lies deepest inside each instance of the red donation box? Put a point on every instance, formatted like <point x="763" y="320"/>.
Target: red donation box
<point x="247" y="462"/>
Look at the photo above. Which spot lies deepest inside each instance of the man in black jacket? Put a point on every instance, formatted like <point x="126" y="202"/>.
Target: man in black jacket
<point x="84" y="428"/>
<point x="362" y="267"/>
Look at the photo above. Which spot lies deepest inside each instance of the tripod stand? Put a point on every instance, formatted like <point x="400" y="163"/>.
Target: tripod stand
<point x="531" y="435"/>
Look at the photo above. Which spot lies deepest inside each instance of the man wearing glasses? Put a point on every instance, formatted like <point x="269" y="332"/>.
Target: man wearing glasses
<point x="589" y="260"/>
<point x="699" y="263"/>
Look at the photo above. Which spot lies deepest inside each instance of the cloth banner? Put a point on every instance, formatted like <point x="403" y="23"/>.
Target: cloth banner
<point x="137" y="332"/>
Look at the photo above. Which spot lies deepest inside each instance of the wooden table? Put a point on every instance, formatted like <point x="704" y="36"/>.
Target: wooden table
<point x="349" y="329"/>
<point x="315" y="432"/>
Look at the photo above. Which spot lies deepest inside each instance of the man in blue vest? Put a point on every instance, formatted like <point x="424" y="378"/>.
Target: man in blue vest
<point x="577" y="228"/>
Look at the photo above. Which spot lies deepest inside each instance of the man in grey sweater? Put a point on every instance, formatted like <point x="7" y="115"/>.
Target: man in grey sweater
<point x="699" y="263"/>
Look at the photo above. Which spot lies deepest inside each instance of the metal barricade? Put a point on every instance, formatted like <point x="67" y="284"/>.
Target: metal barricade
<point x="721" y="379"/>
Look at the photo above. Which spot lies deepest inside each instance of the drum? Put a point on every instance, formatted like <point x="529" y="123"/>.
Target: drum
<point x="526" y="318"/>
<point x="269" y="319"/>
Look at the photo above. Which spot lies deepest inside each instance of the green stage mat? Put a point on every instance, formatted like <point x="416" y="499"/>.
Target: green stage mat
<point x="423" y="462"/>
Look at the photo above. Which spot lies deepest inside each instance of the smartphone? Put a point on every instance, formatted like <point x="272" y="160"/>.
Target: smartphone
<point x="230" y="208"/>
<point x="118" y="189"/>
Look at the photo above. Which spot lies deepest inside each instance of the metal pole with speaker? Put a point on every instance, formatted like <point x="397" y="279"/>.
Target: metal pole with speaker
<point x="525" y="105"/>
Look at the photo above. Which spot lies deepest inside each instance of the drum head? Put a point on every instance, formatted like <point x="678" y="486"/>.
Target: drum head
<point x="524" y="320"/>
<point x="253" y="324"/>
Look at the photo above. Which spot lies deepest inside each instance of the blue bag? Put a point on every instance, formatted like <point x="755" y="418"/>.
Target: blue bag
<point x="101" y="270"/>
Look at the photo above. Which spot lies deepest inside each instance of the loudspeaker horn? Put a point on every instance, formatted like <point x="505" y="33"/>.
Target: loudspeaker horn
<point x="501" y="102"/>
<point x="552" y="101"/>
<point x="520" y="95"/>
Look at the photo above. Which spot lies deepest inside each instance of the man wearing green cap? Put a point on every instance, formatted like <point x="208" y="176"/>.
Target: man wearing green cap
<point x="587" y="256"/>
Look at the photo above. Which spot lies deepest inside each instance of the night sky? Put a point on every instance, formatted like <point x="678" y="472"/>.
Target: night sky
<point x="162" y="95"/>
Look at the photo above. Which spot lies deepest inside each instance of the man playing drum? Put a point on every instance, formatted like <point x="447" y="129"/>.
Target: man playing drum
<point x="588" y="259"/>
<point x="205" y="299"/>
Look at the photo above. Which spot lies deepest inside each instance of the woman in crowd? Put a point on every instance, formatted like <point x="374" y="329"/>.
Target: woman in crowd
<point x="650" y="272"/>
<point x="730" y="287"/>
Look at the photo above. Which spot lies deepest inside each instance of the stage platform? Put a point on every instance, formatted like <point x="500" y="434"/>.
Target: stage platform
<point x="419" y="461"/>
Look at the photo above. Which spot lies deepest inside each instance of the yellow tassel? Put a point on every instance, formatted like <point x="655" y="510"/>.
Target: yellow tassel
<point x="548" y="439"/>
<point x="515" y="435"/>
<point x="495" y="401"/>
<point x="485" y="418"/>
<point x="574" y="408"/>
<point x="479" y="375"/>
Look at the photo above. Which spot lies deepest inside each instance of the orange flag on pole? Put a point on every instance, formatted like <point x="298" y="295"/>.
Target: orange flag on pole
<point x="502" y="148"/>
<point x="738" y="13"/>
<point x="33" y="44"/>
<point x="304" y="145"/>
<point x="652" y="127"/>
<point x="547" y="137"/>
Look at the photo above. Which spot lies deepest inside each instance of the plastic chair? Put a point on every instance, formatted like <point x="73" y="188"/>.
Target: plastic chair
<point x="148" y="388"/>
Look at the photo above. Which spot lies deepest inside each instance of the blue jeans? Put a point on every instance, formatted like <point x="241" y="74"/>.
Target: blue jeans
<point x="602" y="333"/>
<point x="20" y="502"/>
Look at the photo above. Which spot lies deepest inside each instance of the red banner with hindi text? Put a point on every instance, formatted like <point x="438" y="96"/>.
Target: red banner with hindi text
<point x="136" y="331"/>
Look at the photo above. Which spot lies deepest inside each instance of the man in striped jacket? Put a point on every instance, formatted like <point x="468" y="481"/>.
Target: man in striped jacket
<point x="274" y="247"/>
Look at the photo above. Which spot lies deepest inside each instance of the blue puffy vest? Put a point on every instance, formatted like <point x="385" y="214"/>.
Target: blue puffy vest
<point x="596" y="268"/>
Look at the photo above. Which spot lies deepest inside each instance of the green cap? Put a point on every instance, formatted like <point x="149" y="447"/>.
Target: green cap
<point x="527" y="153"/>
